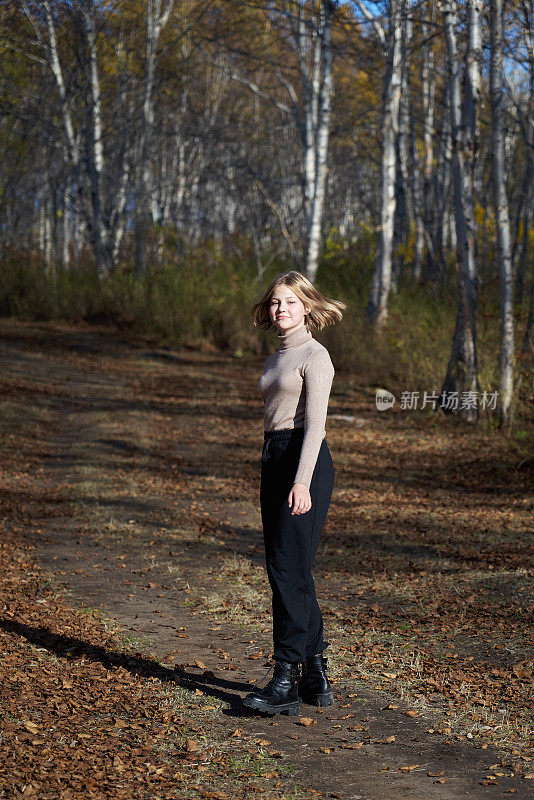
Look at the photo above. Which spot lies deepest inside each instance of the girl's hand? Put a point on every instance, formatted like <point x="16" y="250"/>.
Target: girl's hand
<point x="299" y="496"/>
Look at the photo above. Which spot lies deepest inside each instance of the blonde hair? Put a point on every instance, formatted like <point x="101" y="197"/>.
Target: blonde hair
<point x="323" y="310"/>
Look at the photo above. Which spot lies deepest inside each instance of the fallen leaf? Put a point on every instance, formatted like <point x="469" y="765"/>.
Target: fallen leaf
<point x="409" y="768"/>
<point x="191" y="746"/>
<point x="307" y="721"/>
<point x="355" y="746"/>
<point x="327" y="749"/>
<point x="118" y="764"/>
<point x="523" y="669"/>
<point x="411" y="713"/>
<point x="31" y="727"/>
<point x="435" y="774"/>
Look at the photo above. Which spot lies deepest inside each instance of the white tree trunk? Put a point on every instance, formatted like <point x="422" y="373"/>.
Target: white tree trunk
<point x="105" y="220"/>
<point x="322" y="99"/>
<point x="462" y="371"/>
<point x="313" y="119"/>
<point x="429" y="83"/>
<point x="157" y="18"/>
<point x="377" y="307"/>
<point x="436" y="263"/>
<point x="500" y="204"/>
<point x="94" y="144"/>
<point x="55" y="66"/>
<point x="404" y="185"/>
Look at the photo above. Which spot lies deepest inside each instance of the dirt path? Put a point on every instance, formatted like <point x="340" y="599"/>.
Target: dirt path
<point x="154" y="458"/>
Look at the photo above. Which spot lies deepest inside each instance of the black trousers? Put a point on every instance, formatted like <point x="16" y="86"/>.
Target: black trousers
<point x="291" y="543"/>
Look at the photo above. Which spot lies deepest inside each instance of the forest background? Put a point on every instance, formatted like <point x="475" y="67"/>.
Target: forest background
<point x="162" y="160"/>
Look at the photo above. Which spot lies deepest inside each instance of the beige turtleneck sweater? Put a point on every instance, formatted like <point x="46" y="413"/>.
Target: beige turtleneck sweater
<point x="295" y="387"/>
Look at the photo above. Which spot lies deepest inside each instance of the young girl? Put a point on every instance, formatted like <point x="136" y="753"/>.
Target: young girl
<point x="297" y="478"/>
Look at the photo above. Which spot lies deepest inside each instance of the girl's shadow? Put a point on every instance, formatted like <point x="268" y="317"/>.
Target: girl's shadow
<point x="70" y="648"/>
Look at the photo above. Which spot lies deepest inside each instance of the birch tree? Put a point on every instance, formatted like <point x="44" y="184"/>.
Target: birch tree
<point x="391" y="41"/>
<point x="73" y="180"/>
<point x="317" y="93"/>
<point x="157" y="16"/>
<point x="436" y="263"/>
<point x="462" y="369"/>
<point x="308" y="26"/>
<point x="428" y="88"/>
<point x="105" y="221"/>
<point x="500" y="203"/>
<point x="526" y="121"/>
<point x="404" y="191"/>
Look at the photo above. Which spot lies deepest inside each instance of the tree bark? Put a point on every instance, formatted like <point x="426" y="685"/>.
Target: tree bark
<point x="462" y="371"/>
<point x="377" y="307"/>
<point x="502" y="224"/>
<point x="105" y="221"/>
<point x="322" y="101"/>
<point x="520" y="249"/>
<point x="156" y="21"/>
<point x="403" y="194"/>
<point x="94" y="143"/>
<point x="429" y="84"/>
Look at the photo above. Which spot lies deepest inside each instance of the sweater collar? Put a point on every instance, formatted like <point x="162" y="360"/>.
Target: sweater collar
<point x="294" y="338"/>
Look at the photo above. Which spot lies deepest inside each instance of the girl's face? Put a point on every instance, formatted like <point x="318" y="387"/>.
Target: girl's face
<point x="286" y="310"/>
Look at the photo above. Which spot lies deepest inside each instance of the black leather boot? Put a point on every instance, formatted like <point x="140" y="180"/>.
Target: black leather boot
<point x="314" y="687"/>
<point x="280" y="695"/>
